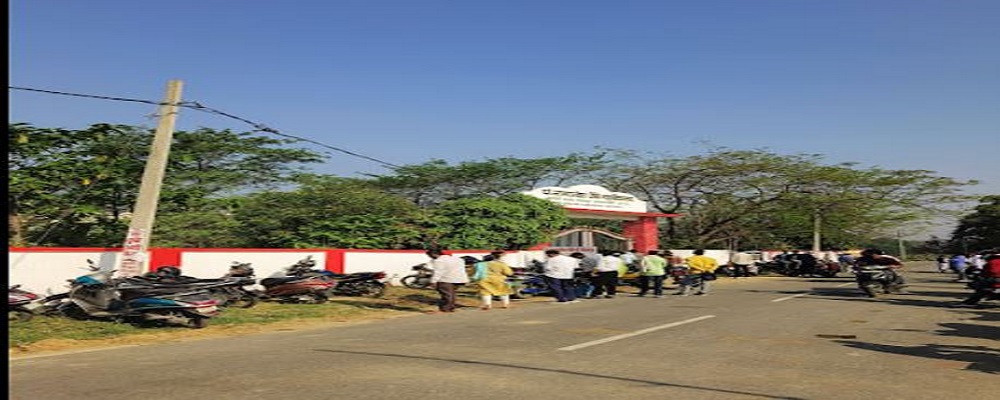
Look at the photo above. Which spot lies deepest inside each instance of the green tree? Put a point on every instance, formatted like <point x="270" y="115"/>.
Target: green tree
<point x="513" y="222"/>
<point x="328" y="212"/>
<point x="436" y="181"/>
<point x="979" y="230"/>
<point x="78" y="187"/>
<point x="756" y="196"/>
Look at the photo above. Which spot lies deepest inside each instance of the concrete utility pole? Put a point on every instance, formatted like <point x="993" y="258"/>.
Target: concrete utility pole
<point x="140" y="229"/>
<point x="902" y="245"/>
<point x="817" y="223"/>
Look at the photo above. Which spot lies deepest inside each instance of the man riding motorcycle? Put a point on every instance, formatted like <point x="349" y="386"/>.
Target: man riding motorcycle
<point x="876" y="257"/>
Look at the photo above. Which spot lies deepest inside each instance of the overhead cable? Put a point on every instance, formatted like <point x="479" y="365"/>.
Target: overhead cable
<point x="258" y="127"/>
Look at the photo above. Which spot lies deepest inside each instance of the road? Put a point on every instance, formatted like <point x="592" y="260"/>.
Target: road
<point x="753" y="338"/>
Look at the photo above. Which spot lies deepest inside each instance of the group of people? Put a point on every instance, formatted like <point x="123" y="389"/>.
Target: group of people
<point x="960" y="264"/>
<point x="981" y="271"/>
<point x="601" y="272"/>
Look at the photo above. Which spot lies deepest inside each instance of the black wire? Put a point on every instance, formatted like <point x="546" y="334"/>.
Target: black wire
<point x="198" y="107"/>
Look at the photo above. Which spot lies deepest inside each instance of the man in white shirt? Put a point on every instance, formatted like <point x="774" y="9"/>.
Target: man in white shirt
<point x="741" y="264"/>
<point x="449" y="273"/>
<point x="606" y="282"/>
<point x="558" y="272"/>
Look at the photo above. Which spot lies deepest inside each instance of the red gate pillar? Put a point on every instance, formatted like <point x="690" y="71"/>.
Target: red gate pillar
<point x="644" y="233"/>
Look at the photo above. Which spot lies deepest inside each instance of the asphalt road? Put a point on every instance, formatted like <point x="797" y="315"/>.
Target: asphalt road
<point x="754" y="338"/>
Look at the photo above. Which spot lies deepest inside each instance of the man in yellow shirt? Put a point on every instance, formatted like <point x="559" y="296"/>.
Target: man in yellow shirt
<point x="701" y="272"/>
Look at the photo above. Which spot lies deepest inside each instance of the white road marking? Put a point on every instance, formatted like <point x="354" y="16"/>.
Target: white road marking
<point x="636" y="333"/>
<point x="789" y="297"/>
<point x="805" y="294"/>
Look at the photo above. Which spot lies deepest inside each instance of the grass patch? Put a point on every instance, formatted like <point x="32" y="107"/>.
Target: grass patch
<point x="27" y="335"/>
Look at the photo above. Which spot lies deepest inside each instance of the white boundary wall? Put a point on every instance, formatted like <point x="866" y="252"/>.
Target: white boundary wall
<point x="46" y="272"/>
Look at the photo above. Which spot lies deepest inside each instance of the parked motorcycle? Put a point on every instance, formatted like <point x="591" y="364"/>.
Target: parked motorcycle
<point x="358" y="283"/>
<point x="530" y="282"/>
<point x="294" y="289"/>
<point x="98" y="296"/>
<point x="353" y="284"/>
<point x="21" y="304"/>
<point x="299" y="285"/>
<point x="421" y="279"/>
<point x="875" y="279"/>
<point x="228" y="291"/>
<point x="232" y="289"/>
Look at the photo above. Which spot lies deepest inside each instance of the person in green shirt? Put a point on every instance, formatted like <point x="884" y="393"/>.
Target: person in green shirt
<point x="653" y="269"/>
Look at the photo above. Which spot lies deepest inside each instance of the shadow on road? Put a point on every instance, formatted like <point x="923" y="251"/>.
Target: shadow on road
<point x="559" y="371"/>
<point x="980" y="358"/>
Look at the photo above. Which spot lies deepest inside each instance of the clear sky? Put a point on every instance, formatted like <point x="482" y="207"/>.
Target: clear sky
<point x="900" y="84"/>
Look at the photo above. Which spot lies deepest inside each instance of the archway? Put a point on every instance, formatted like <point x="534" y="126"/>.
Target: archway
<point x="595" y="202"/>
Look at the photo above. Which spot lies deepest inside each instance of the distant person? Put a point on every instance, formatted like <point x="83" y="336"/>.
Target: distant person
<point x="606" y="283"/>
<point x="631" y="259"/>
<point x="959" y="263"/>
<point x="653" y="269"/>
<point x="846" y="261"/>
<point x="449" y="274"/>
<point x="741" y="264"/>
<point x="587" y="272"/>
<point x="942" y="263"/>
<point x="806" y="263"/>
<point x="491" y="278"/>
<point x="558" y="271"/>
<point x="986" y="280"/>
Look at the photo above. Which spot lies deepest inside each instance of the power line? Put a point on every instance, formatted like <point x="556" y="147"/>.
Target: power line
<point x="258" y="127"/>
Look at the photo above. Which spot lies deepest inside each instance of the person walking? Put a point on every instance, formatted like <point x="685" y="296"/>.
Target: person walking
<point x="942" y="263"/>
<point x="741" y="264"/>
<point x="448" y="274"/>
<point x="631" y="259"/>
<point x="653" y="269"/>
<point x="558" y="271"/>
<point x="958" y="264"/>
<point x="607" y="276"/>
<point x="588" y="266"/>
<point x="986" y="282"/>
<point x="701" y="273"/>
<point x="491" y="278"/>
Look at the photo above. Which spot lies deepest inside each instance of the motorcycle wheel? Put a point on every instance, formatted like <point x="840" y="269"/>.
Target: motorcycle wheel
<point x="372" y="289"/>
<point x="241" y="299"/>
<point x="520" y="294"/>
<point x="319" y="298"/>
<point x="869" y="290"/>
<point x="73" y="311"/>
<point x="198" y="322"/>
<point x="19" y="316"/>
<point x="415" y="282"/>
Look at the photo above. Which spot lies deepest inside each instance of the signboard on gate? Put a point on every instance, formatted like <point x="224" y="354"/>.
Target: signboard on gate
<point x="590" y="197"/>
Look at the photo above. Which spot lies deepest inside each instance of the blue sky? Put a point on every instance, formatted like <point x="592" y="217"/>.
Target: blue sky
<point x="911" y="84"/>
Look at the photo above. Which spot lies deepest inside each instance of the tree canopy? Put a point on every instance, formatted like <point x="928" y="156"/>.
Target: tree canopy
<point x="231" y="189"/>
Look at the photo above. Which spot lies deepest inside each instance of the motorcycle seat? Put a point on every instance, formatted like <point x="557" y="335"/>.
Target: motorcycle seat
<point x="268" y="282"/>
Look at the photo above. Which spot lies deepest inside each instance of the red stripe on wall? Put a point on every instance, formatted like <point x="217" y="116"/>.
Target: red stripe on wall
<point x="335" y="261"/>
<point x="163" y="257"/>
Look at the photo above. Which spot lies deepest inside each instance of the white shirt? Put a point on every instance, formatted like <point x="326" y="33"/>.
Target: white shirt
<point x="609" y="263"/>
<point x="742" y="258"/>
<point x="628" y="258"/>
<point x="448" y="269"/>
<point x="561" y="266"/>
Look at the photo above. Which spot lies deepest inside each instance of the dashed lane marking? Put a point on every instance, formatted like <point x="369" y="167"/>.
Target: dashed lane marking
<point x="635" y="333"/>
